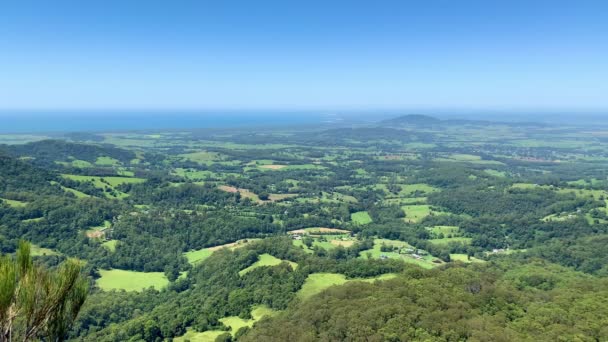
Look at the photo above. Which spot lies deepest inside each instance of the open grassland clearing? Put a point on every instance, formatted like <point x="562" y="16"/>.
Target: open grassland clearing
<point x="495" y="173"/>
<point x="300" y="244"/>
<point x="400" y="250"/>
<point x="110" y="245"/>
<point x="37" y="219"/>
<point x="197" y="256"/>
<point x="376" y="252"/>
<point x="361" y="217"/>
<point x="442" y="235"/>
<point x="326" y="238"/>
<point x="41" y="251"/>
<point x="464" y="258"/>
<point x="328" y="242"/>
<point x="280" y="197"/>
<point x="80" y="163"/>
<point x="131" y="280"/>
<point x="328" y="197"/>
<point x="417" y="212"/>
<point x="98" y="232"/>
<point x="232" y="245"/>
<point x="195" y="336"/>
<point x="76" y="193"/>
<point x="345" y="241"/>
<point x="317" y="282"/>
<point x="272" y="166"/>
<point x="265" y="260"/>
<point x="245" y="193"/>
<point x="318" y="230"/>
<point x="233" y="323"/>
<point x="13" y="203"/>
<point x="416" y="190"/>
<point x="107" y="161"/>
<point x="107" y="184"/>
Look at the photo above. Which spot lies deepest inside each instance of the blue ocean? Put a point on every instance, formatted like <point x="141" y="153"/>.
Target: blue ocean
<point x="41" y="122"/>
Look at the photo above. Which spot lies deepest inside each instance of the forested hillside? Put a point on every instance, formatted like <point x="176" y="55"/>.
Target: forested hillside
<point x="412" y="229"/>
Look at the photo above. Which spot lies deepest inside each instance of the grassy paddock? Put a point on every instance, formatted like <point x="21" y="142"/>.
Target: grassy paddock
<point x="416" y="212"/>
<point x="361" y="217"/>
<point x="13" y="203"/>
<point x="196" y="256"/>
<point x="265" y="260"/>
<point x="317" y="282"/>
<point x="131" y="280"/>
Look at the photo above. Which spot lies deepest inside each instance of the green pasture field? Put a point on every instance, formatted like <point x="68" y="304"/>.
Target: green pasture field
<point x="195" y="174"/>
<point x="112" y="182"/>
<point x="495" y="173"/>
<point x="78" y="194"/>
<point x="410" y="189"/>
<point x="265" y="260"/>
<point x="107" y="161"/>
<point x="361" y="217"/>
<point x="447" y="231"/>
<point x="317" y="282"/>
<point x="81" y="163"/>
<point x="131" y="280"/>
<point x="376" y="253"/>
<point x="37" y="219"/>
<point x="110" y="245"/>
<point x="464" y="258"/>
<point x="234" y="323"/>
<point x="36" y="250"/>
<point x="194" y="257"/>
<point x="195" y="336"/>
<point x="202" y="157"/>
<point x="416" y="212"/>
<point x="14" y="203"/>
<point x="299" y="243"/>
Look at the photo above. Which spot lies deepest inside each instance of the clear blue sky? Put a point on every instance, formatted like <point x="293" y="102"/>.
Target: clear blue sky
<point x="254" y="54"/>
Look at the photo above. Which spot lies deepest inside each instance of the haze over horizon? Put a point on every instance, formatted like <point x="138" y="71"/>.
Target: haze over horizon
<point x="343" y="55"/>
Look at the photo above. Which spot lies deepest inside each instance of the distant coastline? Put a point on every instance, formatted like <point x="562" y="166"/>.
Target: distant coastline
<point x="94" y="121"/>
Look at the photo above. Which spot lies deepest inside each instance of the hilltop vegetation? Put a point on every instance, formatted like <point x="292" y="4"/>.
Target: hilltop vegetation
<point x="482" y="223"/>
